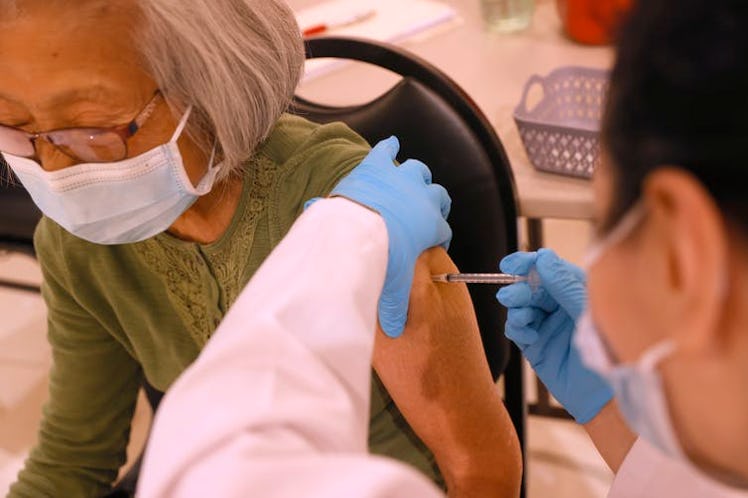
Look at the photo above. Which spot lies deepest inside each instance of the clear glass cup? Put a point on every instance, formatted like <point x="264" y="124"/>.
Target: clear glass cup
<point x="507" y="16"/>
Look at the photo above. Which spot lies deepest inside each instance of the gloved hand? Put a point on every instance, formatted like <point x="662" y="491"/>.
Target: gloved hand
<point x="414" y="211"/>
<point x="542" y="323"/>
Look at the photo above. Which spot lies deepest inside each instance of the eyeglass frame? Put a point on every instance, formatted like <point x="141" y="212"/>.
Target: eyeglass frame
<point x="124" y="132"/>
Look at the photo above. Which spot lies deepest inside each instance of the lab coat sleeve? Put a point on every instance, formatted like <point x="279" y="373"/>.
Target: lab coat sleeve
<point x="648" y="473"/>
<point x="277" y="404"/>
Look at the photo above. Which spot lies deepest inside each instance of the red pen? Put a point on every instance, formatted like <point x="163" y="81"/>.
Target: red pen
<point x="356" y="18"/>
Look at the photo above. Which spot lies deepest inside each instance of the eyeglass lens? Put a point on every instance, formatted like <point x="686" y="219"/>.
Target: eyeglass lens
<point x="89" y="144"/>
<point x="84" y="144"/>
<point x="15" y="142"/>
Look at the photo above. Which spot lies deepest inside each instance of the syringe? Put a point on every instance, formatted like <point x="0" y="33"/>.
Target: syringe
<point x="532" y="278"/>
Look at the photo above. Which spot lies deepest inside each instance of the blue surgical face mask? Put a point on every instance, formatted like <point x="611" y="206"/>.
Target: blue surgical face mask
<point x="119" y="202"/>
<point x="638" y="386"/>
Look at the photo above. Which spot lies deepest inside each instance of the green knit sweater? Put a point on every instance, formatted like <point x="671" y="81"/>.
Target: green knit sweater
<point x="120" y="313"/>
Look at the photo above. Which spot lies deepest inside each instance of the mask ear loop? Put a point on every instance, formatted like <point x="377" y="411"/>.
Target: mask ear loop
<point x="182" y="124"/>
<point x="212" y="159"/>
<point x="620" y="232"/>
<point x="657" y="353"/>
<point x="206" y="182"/>
<point x="178" y="132"/>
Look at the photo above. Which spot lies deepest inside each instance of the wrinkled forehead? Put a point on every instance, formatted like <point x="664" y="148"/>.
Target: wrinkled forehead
<point x="51" y="48"/>
<point x="8" y="9"/>
<point x="12" y="9"/>
<point x="54" y="21"/>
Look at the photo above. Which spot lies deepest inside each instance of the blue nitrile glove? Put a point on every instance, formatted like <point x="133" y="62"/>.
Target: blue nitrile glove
<point x="542" y="323"/>
<point x="415" y="213"/>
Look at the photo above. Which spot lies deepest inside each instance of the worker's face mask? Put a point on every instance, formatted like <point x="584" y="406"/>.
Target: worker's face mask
<point x="118" y="202"/>
<point x="638" y="386"/>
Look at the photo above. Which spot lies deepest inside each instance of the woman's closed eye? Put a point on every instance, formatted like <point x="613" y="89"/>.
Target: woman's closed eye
<point x="13" y="115"/>
<point x="15" y="122"/>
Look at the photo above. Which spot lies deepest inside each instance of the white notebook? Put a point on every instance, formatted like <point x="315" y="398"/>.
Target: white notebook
<point x="392" y="21"/>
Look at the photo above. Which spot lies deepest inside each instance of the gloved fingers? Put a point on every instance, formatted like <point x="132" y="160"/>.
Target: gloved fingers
<point x="515" y="295"/>
<point x="385" y="151"/>
<point x="563" y="281"/>
<point x="444" y="234"/>
<point x="393" y="314"/>
<point x="440" y="197"/>
<point x="574" y="269"/>
<point x="521" y="295"/>
<point x="521" y="336"/>
<point x="417" y="170"/>
<point x="525" y="317"/>
<point x="518" y="263"/>
<point x="541" y="299"/>
<point x="394" y="301"/>
<point x="555" y="333"/>
<point x="311" y="201"/>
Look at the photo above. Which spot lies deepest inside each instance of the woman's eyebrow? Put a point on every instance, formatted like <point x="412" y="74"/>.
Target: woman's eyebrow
<point x="95" y="93"/>
<point x="10" y="100"/>
<point x="14" y="111"/>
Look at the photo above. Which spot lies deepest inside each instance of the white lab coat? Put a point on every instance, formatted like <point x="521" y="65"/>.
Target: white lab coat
<point x="648" y="473"/>
<point x="277" y="404"/>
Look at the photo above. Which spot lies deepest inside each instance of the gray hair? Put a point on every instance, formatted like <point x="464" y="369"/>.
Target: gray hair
<point x="237" y="62"/>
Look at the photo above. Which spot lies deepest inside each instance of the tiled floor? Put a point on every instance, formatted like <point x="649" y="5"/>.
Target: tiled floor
<point x="562" y="461"/>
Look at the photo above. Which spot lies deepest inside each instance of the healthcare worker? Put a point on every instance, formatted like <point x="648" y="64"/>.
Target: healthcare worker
<point x="660" y="312"/>
<point x="277" y="403"/>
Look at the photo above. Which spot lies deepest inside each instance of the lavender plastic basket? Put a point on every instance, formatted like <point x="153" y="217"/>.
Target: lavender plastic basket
<point x="561" y="133"/>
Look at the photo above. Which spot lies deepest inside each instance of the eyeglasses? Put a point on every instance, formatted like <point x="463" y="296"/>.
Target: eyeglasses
<point x="88" y="145"/>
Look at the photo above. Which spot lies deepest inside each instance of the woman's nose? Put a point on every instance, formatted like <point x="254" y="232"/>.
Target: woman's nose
<point x="50" y="157"/>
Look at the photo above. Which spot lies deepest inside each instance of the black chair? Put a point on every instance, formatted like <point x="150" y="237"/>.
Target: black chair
<point x="438" y="123"/>
<point x="18" y="214"/>
<point x="18" y="218"/>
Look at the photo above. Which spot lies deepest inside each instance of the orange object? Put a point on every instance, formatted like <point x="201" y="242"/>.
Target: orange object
<point x="593" y="22"/>
<point x="315" y="30"/>
<point x="342" y="22"/>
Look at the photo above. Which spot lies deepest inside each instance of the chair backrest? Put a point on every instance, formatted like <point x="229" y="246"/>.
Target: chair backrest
<point x="18" y="213"/>
<point x="439" y="124"/>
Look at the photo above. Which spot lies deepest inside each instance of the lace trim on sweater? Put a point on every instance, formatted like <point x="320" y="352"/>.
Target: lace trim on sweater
<point x="192" y="273"/>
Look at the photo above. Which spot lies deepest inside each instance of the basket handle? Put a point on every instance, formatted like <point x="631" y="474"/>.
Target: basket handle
<point x="535" y="79"/>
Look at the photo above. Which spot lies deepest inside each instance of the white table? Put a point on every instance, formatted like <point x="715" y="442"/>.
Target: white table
<point x="493" y="70"/>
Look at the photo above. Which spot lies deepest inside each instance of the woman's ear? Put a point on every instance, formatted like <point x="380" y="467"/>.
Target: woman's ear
<point x="693" y="236"/>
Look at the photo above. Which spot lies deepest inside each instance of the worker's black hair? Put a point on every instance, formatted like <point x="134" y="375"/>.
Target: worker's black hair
<point x="679" y="97"/>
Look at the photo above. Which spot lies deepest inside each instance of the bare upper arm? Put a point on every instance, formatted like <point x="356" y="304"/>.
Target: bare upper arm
<point x="438" y="376"/>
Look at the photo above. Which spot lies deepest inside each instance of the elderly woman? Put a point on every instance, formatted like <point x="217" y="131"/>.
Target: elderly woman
<point x="152" y="135"/>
